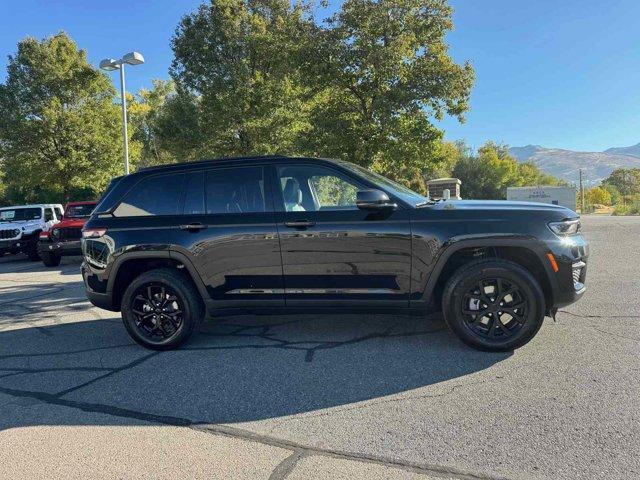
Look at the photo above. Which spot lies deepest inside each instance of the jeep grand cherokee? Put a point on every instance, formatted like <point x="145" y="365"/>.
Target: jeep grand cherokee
<point x="172" y="244"/>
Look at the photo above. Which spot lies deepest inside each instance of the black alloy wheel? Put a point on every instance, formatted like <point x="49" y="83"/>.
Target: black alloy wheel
<point x="161" y="308"/>
<point x="495" y="307"/>
<point x="493" y="304"/>
<point x="157" y="311"/>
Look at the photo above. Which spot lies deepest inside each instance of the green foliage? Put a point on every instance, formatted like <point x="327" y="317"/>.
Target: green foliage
<point x="59" y="128"/>
<point x="614" y="193"/>
<point x="237" y="68"/>
<point x="631" y="208"/>
<point x="382" y="72"/>
<point x="262" y="77"/>
<point x="625" y="180"/>
<point x="146" y="113"/>
<point x="597" y="196"/>
<point x="487" y="174"/>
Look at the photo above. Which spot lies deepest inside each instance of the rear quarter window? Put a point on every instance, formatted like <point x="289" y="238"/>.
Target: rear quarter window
<point x="152" y="196"/>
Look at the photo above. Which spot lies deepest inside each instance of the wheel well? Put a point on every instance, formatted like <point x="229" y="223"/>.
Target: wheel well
<point x="522" y="256"/>
<point x="130" y="269"/>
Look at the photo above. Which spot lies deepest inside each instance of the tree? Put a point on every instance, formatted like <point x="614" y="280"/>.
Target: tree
<point x="146" y="112"/>
<point x="625" y="180"/>
<point x="236" y="67"/>
<point x="597" y="195"/>
<point x="382" y="72"/>
<point x="614" y="193"/>
<point x="59" y="128"/>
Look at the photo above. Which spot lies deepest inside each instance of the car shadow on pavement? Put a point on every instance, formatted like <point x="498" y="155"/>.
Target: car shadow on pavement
<point x="237" y="369"/>
<point x="19" y="263"/>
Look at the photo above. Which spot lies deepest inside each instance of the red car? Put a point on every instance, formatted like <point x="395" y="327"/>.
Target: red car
<point x="64" y="237"/>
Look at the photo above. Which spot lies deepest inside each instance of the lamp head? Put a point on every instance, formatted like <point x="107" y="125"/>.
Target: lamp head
<point x="133" y="58"/>
<point x="109" y="64"/>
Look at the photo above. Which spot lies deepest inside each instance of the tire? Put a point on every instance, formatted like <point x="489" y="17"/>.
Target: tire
<point x="514" y="302"/>
<point x="32" y="252"/>
<point x="51" y="259"/>
<point x="142" y="309"/>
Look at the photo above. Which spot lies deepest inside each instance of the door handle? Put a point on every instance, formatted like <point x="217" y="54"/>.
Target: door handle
<point x="299" y="224"/>
<point x="193" y="226"/>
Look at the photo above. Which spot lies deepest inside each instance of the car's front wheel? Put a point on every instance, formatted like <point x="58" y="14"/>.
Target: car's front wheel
<point x="494" y="305"/>
<point x="161" y="309"/>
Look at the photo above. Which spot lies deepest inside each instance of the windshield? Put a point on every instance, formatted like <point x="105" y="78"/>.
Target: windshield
<point x="79" y="211"/>
<point x="20" y="214"/>
<point x="396" y="189"/>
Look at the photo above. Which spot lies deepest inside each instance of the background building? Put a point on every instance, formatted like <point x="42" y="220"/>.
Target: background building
<point x="564" y="196"/>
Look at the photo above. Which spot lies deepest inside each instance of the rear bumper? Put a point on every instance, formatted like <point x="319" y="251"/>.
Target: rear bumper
<point x="60" y="248"/>
<point x="101" y="299"/>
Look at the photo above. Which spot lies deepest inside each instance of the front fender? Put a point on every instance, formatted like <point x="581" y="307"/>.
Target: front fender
<point x="423" y="292"/>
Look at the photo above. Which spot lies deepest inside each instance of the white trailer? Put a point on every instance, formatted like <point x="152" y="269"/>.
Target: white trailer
<point x="563" y="196"/>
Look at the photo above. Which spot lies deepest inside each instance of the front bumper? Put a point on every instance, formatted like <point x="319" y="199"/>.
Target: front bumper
<point x="14" y="245"/>
<point x="60" y="248"/>
<point x="571" y="254"/>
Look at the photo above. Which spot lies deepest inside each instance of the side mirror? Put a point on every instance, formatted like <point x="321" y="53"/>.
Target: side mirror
<point x="374" y="200"/>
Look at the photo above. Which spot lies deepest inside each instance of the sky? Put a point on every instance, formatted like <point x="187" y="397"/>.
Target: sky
<point x="562" y="74"/>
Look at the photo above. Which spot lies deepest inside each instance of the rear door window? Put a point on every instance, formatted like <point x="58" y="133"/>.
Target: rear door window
<point x="235" y="190"/>
<point x="152" y="196"/>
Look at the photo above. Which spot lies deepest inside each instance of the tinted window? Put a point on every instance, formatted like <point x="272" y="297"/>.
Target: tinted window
<point x="79" y="211"/>
<point x="194" y="194"/>
<point x="158" y="195"/>
<point x="235" y="190"/>
<point x="58" y="211"/>
<point x="48" y="214"/>
<point x="313" y="188"/>
<point x="17" y="214"/>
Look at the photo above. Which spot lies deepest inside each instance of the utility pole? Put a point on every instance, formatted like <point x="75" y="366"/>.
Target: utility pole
<point x="581" y="195"/>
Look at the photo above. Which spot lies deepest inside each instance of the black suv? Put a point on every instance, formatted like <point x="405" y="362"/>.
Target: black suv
<point x="172" y="244"/>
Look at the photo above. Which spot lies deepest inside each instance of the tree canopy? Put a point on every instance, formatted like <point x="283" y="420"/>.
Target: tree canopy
<point x="625" y="180"/>
<point x="262" y="76"/>
<point x="60" y="131"/>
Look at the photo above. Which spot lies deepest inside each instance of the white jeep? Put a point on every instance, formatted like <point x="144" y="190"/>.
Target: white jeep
<point x="21" y="225"/>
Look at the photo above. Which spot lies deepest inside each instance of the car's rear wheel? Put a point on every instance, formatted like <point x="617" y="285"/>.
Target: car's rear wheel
<point x="51" y="259"/>
<point x="161" y="309"/>
<point x="494" y="305"/>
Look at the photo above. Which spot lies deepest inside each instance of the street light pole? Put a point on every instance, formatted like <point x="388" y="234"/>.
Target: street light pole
<point x="125" y="137"/>
<point x="109" y="64"/>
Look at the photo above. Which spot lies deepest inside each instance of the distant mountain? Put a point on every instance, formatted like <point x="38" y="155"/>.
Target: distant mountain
<point x="566" y="164"/>
<point x="632" y="150"/>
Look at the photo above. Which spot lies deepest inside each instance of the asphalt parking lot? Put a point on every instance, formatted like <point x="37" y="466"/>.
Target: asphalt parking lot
<point x="301" y="397"/>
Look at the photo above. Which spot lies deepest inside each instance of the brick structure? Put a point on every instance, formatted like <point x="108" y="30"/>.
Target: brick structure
<point x="437" y="186"/>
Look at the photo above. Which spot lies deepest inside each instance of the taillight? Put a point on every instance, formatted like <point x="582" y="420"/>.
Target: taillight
<point x="93" y="232"/>
<point x="44" y="235"/>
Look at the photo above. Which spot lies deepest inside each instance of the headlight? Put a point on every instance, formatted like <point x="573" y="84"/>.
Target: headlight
<point x="565" y="228"/>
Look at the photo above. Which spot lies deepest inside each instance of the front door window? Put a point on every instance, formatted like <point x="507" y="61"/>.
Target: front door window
<point x="313" y="188"/>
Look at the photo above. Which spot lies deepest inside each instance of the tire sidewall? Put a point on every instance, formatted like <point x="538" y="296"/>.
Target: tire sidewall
<point x="465" y="278"/>
<point x="181" y="288"/>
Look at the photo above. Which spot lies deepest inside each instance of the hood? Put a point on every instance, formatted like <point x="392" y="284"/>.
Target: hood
<point x="485" y="205"/>
<point x="20" y="224"/>
<point x="71" y="223"/>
